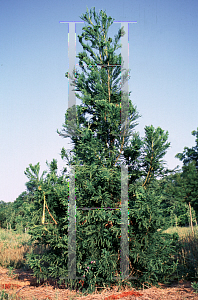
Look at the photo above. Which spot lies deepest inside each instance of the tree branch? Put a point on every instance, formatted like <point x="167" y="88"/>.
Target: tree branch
<point x="150" y="169"/>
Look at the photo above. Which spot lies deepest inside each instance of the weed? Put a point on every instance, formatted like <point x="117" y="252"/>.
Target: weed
<point x="3" y="295"/>
<point x="194" y="286"/>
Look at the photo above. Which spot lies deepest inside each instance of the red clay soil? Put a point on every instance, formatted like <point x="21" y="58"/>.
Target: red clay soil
<point x="25" y="287"/>
<point x="124" y="294"/>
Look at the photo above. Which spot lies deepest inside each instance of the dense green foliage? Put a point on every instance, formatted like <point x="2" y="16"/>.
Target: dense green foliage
<point x="156" y="195"/>
<point x="97" y="148"/>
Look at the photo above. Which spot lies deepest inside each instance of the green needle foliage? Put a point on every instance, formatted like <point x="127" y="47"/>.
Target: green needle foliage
<point x="101" y="143"/>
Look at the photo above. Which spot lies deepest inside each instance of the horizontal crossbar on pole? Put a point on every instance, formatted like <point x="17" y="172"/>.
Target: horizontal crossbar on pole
<point x="87" y="208"/>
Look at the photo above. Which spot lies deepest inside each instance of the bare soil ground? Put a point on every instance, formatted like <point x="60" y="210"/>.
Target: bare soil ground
<point x="24" y="285"/>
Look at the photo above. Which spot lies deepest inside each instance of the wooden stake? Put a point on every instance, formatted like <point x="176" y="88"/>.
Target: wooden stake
<point x="191" y="217"/>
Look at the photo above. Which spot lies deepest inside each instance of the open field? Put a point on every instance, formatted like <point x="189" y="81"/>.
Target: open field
<point x="17" y="281"/>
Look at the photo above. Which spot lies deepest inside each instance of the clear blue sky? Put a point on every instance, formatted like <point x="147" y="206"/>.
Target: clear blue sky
<point x="163" y="59"/>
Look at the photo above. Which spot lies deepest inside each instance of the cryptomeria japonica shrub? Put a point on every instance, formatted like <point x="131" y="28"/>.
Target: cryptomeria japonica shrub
<point x="98" y="147"/>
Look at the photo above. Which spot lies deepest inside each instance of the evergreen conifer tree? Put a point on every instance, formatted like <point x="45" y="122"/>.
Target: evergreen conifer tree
<point x="99" y="142"/>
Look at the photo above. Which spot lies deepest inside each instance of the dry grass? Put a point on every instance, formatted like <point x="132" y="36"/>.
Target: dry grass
<point x="13" y="247"/>
<point x="183" y="231"/>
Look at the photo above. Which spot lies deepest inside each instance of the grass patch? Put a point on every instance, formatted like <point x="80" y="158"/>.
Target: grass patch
<point x="13" y="247"/>
<point x="188" y="255"/>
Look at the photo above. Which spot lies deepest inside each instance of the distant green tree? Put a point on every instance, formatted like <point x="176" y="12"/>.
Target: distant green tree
<point x="22" y="207"/>
<point x="189" y="175"/>
<point x="180" y="189"/>
<point x="3" y="216"/>
<point x="7" y="214"/>
<point x="173" y="199"/>
<point x="190" y="154"/>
